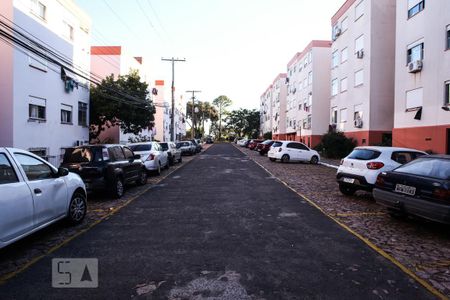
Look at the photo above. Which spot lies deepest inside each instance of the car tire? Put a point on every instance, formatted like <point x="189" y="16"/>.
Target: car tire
<point x="272" y="159"/>
<point x="77" y="208"/>
<point x="117" y="189"/>
<point x="346" y="190"/>
<point x="285" y="158"/>
<point x="142" y="180"/>
<point x="261" y="153"/>
<point x="167" y="165"/>
<point x="180" y="160"/>
<point x="314" y="160"/>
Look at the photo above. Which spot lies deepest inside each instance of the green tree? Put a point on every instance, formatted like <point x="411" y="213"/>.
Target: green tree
<point x="206" y="112"/>
<point x="244" y="122"/>
<point x="222" y="103"/>
<point x="123" y="102"/>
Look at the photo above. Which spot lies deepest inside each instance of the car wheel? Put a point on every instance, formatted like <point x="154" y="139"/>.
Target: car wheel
<point x="142" y="177"/>
<point x="285" y="158"/>
<point x="77" y="208"/>
<point x="171" y="160"/>
<point x="347" y="190"/>
<point x="117" y="188"/>
<point x="261" y="153"/>
<point x="272" y="159"/>
<point x="180" y="160"/>
<point x="314" y="160"/>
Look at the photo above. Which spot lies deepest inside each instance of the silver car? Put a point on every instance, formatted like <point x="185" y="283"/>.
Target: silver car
<point x="173" y="153"/>
<point x="187" y="147"/>
<point x="153" y="156"/>
<point x="35" y="194"/>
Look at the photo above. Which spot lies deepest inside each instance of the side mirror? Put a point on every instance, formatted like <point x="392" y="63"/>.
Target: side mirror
<point x="137" y="156"/>
<point x="62" y="172"/>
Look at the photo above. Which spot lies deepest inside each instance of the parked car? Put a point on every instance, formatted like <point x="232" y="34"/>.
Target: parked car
<point x="420" y="187"/>
<point x="198" y="145"/>
<point x="359" y="170"/>
<point x="153" y="156"/>
<point x="173" y="153"/>
<point x="186" y="147"/>
<point x="252" y="144"/>
<point x="287" y="151"/>
<point x="264" y="147"/>
<point x="209" y="140"/>
<point x="106" y="167"/>
<point x="35" y="194"/>
<point x="242" y="142"/>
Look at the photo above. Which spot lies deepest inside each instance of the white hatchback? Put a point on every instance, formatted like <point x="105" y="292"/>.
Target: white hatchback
<point x="360" y="169"/>
<point x="287" y="151"/>
<point x="34" y="194"/>
<point x="152" y="154"/>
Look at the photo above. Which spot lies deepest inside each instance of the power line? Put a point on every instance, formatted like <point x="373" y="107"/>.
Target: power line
<point x="148" y="19"/>
<point x="157" y="18"/>
<point x="120" y="19"/>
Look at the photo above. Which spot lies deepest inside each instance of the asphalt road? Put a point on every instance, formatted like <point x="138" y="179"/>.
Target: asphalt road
<point x="221" y="227"/>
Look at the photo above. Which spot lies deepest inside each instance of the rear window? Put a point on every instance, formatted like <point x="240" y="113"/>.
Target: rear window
<point x="164" y="146"/>
<point x="83" y="155"/>
<point x="403" y="157"/>
<point x="364" y="154"/>
<point x="142" y="147"/>
<point x="277" y="144"/>
<point x="428" y="167"/>
<point x="267" y="142"/>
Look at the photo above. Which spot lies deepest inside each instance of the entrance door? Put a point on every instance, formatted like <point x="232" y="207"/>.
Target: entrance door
<point x="448" y="140"/>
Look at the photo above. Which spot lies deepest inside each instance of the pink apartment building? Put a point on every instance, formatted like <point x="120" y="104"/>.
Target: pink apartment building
<point x="363" y="70"/>
<point x="422" y="77"/>
<point x="308" y="101"/>
<point x="278" y="104"/>
<point x="266" y="111"/>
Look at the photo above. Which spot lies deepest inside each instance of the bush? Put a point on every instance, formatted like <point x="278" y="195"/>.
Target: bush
<point x="267" y="135"/>
<point x="335" y="145"/>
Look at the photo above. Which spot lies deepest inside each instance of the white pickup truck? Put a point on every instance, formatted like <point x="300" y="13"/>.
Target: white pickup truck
<point x="35" y="194"/>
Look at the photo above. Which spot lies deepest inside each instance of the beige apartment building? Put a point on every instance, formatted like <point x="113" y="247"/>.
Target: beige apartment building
<point x="278" y="101"/>
<point x="308" y="101"/>
<point x="422" y="80"/>
<point x="265" y="110"/>
<point x="363" y="70"/>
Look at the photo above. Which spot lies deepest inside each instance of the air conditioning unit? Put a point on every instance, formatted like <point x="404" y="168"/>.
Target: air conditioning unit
<point x="415" y="66"/>
<point x="360" y="54"/>
<point x="338" y="31"/>
<point x="358" y="123"/>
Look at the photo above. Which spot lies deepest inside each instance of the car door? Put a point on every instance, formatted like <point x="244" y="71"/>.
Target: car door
<point x="49" y="192"/>
<point x="16" y="202"/>
<point x="304" y="152"/>
<point x="162" y="155"/>
<point x="292" y="151"/>
<point x="127" y="164"/>
<point x="135" y="164"/>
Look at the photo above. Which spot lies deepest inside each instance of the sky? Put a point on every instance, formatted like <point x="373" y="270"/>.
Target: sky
<point x="232" y="47"/>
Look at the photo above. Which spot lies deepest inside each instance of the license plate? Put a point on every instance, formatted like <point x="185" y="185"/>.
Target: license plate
<point x="405" y="189"/>
<point x="348" y="180"/>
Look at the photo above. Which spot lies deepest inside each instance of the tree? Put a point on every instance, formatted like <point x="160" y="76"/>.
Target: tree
<point x="221" y="102"/>
<point x="244" y="122"/>
<point x="123" y="102"/>
<point x="206" y="112"/>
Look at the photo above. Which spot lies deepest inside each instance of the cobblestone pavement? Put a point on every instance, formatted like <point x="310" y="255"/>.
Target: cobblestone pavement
<point x="422" y="246"/>
<point x="18" y="255"/>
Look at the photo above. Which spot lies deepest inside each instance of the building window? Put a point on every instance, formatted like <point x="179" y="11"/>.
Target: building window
<point x="334" y="115"/>
<point x="414" y="99"/>
<point x="447" y="93"/>
<point x="82" y="113"/>
<point x="334" y="87"/>
<point x="359" y="77"/>
<point x="343" y="115"/>
<point x="66" y="114"/>
<point x="335" y="59"/>
<point x="415" y="7"/>
<point x="448" y="37"/>
<point x="358" y="114"/>
<point x="415" y="53"/>
<point x="68" y="31"/>
<point x="344" y="85"/>
<point x="344" y="55"/>
<point x="359" y="43"/>
<point x="359" y="10"/>
<point x="310" y="78"/>
<point x="344" y="25"/>
<point x="39" y="9"/>
<point x="36" y="108"/>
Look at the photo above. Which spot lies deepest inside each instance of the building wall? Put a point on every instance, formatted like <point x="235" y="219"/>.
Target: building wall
<point x="279" y="94"/>
<point x="36" y="81"/>
<point x="428" y="26"/>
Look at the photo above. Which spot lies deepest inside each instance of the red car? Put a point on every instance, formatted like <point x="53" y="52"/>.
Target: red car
<point x="264" y="147"/>
<point x="253" y="143"/>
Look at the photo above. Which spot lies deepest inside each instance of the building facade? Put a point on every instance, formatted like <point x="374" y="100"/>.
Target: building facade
<point x="44" y="89"/>
<point x="265" y="110"/>
<point x="362" y="70"/>
<point x="308" y="101"/>
<point x="278" y="101"/>
<point x="161" y="125"/>
<point x="422" y="81"/>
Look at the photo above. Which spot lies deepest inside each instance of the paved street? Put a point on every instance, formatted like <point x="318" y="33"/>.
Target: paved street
<point x="222" y="227"/>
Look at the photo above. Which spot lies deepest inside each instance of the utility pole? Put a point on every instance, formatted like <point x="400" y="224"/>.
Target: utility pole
<point x="193" y="112"/>
<point x="172" y="114"/>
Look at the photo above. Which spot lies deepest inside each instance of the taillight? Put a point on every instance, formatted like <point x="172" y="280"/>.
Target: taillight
<point x="151" y="157"/>
<point x="342" y="161"/>
<point x="375" y="165"/>
<point x="280" y="149"/>
<point x="442" y="194"/>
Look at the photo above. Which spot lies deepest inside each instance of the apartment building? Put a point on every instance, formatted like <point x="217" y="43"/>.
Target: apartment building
<point x="308" y="98"/>
<point x="45" y="103"/>
<point x="362" y="70"/>
<point x="265" y="110"/>
<point x="116" y="60"/>
<point x="422" y="80"/>
<point x="161" y="125"/>
<point x="278" y="101"/>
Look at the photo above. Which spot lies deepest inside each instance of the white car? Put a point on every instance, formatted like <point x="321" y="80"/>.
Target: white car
<point x="287" y="151"/>
<point x="360" y="169"/>
<point x="242" y="142"/>
<point x="152" y="154"/>
<point x="35" y="194"/>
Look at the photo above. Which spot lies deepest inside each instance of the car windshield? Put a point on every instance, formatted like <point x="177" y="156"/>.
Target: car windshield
<point x="427" y="167"/>
<point x="364" y="154"/>
<point x="164" y="146"/>
<point x="141" y="147"/>
<point x="82" y="155"/>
